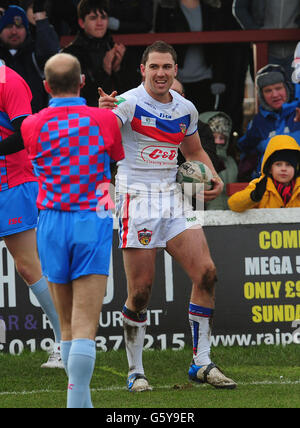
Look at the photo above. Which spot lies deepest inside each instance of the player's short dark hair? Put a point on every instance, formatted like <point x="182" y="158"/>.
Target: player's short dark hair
<point x="85" y="7"/>
<point x="161" y="47"/>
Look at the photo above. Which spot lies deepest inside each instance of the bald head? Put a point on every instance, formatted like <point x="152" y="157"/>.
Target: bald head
<point x="63" y="74"/>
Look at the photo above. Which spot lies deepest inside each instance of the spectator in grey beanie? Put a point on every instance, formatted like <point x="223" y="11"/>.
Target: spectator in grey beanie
<point x="276" y="116"/>
<point x="273" y="74"/>
<point x="25" y="55"/>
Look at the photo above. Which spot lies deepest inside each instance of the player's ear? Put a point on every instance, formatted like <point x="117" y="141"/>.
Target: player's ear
<point x="82" y="81"/>
<point x="47" y="87"/>
<point x="142" y="68"/>
<point x="176" y="70"/>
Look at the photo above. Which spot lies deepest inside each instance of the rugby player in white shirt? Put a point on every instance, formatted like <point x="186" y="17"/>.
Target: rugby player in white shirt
<point x="155" y="122"/>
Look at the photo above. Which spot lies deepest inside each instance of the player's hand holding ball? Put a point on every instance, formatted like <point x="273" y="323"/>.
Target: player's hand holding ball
<point x="196" y="172"/>
<point x="218" y="186"/>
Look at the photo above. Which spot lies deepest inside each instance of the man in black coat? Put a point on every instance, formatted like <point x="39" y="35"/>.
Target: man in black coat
<point x="100" y="58"/>
<point x="131" y="17"/>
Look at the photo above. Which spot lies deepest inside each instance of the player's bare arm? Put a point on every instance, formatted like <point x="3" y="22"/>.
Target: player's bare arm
<point x="192" y="149"/>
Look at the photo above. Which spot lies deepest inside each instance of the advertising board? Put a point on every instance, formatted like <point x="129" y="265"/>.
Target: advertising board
<point x="257" y="295"/>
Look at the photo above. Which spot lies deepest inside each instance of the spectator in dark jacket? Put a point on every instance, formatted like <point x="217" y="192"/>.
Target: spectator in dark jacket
<point x="199" y="66"/>
<point x="237" y="59"/>
<point x="63" y="16"/>
<point x="5" y="3"/>
<point x="100" y="58"/>
<point x="131" y="17"/>
<point x="271" y="14"/>
<point x="206" y="135"/>
<point x="23" y="54"/>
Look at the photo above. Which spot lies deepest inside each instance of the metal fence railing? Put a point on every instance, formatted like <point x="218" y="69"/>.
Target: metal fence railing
<point x="259" y="38"/>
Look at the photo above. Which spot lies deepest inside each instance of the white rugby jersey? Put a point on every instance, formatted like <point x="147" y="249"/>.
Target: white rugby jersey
<point x="152" y="133"/>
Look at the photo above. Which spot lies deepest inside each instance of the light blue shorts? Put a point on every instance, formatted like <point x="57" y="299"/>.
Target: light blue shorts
<point x="74" y="244"/>
<point x="18" y="210"/>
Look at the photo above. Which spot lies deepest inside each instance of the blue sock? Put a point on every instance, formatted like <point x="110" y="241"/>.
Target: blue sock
<point x="65" y="347"/>
<point x="41" y="291"/>
<point x="81" y="365"/>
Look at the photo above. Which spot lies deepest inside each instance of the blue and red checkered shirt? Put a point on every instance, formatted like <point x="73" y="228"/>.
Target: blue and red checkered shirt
<point x="15" y="99"/>
<point x="71" y="147"/>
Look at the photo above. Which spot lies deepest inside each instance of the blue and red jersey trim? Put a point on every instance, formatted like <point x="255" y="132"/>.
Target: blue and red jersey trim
<point x="160" y="129"/>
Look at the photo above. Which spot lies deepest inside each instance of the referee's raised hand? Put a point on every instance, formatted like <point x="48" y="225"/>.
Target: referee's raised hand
<point x="107" y="101"/>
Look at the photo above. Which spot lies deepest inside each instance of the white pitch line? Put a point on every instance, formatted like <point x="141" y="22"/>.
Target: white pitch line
<point x="174" y="387"/>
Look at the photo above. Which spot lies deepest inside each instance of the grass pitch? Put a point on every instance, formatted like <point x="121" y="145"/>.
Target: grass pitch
<point x="267" y="377"/>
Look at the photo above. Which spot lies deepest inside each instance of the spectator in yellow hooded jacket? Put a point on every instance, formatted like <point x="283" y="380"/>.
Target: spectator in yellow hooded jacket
<point x="279" y="183"/>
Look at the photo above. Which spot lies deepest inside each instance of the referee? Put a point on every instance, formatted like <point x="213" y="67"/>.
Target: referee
<point x="71" y="147"/>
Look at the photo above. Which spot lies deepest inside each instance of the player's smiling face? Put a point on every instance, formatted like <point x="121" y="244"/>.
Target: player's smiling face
<point x="159" y="73"/>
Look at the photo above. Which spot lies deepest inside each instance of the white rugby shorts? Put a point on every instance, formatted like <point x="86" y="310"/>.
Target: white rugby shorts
<point x="149" y="220"/>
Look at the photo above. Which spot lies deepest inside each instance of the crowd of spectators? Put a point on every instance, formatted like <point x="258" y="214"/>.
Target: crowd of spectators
<point x="213" y="75"/>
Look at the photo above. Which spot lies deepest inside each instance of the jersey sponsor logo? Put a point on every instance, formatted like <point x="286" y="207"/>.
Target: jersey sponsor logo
<point x="191" y="219"/>
<point x="165" y="116"/>
<point x="163" y="154"/>
<point x="14" y="221"/>
<point x="145" y="236"/>
<point x="120" y="100"/>
<point x="148" y="121"/>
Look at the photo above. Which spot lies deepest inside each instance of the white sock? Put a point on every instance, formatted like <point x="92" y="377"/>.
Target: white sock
<point x="200" y="320"/>
<point x="134" y="325"/>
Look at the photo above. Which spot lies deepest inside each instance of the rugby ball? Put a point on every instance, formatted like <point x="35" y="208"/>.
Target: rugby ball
<point x="195" y="172"/>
